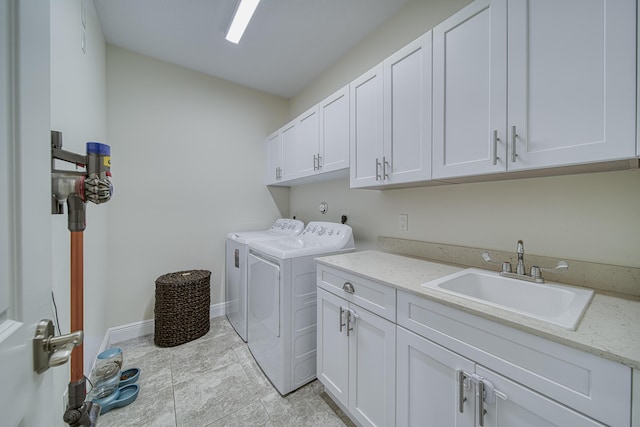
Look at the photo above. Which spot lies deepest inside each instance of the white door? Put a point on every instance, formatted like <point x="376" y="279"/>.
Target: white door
<point x="365" y="96"/>
<point x="428" y="393"/>
<point x="333" y="345"/>
<point x="289" y="151"/>
<point x="26" y="398"/>
<point x="274" y="157"/>
<point x="334" y="131"/>
<point x="407" y="113"/>
<point x="572" y="80"/>
<point x="469" y="91"/>
<point x="372" y="369"/>
<point x="307" y="144"/>
<point x="526" y="408"/>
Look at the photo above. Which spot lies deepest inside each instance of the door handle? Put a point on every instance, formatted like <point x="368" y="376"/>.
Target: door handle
<point x="49" y="350"/>
<point x="494" y="147"/>
<point x="514" y="135"/>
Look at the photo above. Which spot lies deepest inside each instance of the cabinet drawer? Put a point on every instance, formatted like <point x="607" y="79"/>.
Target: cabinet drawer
<point x="373" y="296"/>
<point x="592" y="385"/>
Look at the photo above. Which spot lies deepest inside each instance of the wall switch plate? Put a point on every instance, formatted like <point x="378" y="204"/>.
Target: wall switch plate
<point x="403" y="222"/>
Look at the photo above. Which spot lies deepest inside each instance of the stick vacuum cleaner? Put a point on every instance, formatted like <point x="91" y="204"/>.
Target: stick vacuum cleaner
<point x="75" y="188"/>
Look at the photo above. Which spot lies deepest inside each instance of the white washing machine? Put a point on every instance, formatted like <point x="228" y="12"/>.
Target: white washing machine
<point x="282" y="301"/>
<point x="236" y="251"/>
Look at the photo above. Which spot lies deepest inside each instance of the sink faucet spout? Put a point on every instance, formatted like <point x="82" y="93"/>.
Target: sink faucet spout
<point x="520" y="269"/>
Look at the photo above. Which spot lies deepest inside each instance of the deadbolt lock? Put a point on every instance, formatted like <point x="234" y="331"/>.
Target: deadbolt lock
<point x="49" y="350"/>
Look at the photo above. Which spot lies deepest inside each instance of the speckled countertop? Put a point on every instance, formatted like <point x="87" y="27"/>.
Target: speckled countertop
<point x="610" y="327"/>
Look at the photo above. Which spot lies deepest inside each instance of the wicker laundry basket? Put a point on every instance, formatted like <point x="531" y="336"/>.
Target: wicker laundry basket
<point x="182" y="307"/>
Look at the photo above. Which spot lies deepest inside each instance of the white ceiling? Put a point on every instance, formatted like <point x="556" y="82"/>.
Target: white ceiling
<point x="287" y="44"/>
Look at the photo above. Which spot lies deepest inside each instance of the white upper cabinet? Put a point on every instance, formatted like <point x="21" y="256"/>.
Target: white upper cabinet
<point x="273" y="145"/>
<point x="469" y="91"/>
<point x="315" y="142"/>
<point x="333" y="151"/>
<point x="391" y="119"/>
<point x="572" y="81"/>
<point x="407" y="113"/>
<point x="306" y="144"/>
<point x="531" y="84"/>
<point x="290" y="149"/>
<point x="299" y="145"/>
<point x="366" y="128"/>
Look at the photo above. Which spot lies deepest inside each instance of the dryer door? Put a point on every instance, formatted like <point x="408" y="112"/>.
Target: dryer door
<point x="264" y="297"/>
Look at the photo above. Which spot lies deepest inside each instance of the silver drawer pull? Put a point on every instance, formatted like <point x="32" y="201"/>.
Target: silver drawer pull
<point x="348" y="287"/>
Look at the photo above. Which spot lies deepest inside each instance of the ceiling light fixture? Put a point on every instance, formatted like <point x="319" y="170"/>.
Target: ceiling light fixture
<point x="241" y="19"/>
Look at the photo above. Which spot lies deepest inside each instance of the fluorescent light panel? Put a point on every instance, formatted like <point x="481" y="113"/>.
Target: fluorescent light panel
<point x="241" y="19"/>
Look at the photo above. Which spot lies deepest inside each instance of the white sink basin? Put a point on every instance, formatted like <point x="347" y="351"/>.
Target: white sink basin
<point x="550" y="302"/>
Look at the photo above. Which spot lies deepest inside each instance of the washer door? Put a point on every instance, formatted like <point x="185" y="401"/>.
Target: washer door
<point x="236" y="286"/>
<point x="264" y="294"/>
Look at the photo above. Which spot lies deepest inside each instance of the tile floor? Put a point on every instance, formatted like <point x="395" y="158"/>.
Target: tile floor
<point x="212" y="382"/>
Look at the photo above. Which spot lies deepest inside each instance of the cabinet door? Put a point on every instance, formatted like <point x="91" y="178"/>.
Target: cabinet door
<point x="372" y="369"/>
<point x="572" y="81"/>
<point x="334" y="131"/>
<point x="290" y="150"/>
<point x="365" y="95"/>
<point x="526" y="408"/>
<point x="427" y="385"/>
<point x="274" y="157"/>
<point x="407" y="113"/>
<point x="307" y="143"/>
<point x="469" y="91"/>
<point x="333" y="346"/>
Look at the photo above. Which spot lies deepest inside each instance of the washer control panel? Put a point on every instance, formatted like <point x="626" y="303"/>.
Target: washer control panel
<point x="326" y="231"/>
<point x="287" y="226"/>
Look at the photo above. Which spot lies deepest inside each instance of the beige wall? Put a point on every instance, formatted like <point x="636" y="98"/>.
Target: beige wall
<point x="188" y="167"/>
<point x="590" y="217"/>
<point x="411" y="21"/>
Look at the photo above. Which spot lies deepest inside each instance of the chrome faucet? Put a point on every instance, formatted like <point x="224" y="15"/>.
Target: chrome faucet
<point x="520" y="251"/>
<point x="520" y="273"/>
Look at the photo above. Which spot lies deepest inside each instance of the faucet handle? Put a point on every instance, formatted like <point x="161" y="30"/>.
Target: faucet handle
<point x="536" y="272"/>
<point x="506" y="265"/>
<point x="562" y="265"/>
<point x="487" y="258"/>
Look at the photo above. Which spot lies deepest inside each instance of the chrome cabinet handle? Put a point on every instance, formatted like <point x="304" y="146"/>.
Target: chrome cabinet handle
<point x="385" y="175"/>
<point x="462" y="376"/>
<point x="319" y="158"/>
<point x="348" y="287"/>
<point x="351" y="314"/>
<point x="514" y="135"/>
<point x="342" y="310"/>
<point x="315" y="168"/>
<point x="378" y="177"/>
<point x="494" y="155"/>
<point x="480" y="402"/>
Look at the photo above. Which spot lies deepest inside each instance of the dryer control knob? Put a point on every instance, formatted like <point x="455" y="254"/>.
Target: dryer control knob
<point x="321" y="230"/>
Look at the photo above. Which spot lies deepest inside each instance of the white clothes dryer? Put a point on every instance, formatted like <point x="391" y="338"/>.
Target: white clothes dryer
<point x="236" y="251"/>
<point x="282" y="301"/>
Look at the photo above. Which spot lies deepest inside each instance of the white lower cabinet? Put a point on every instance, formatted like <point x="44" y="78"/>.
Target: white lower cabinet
<point x="390" y="357"/>
<point x="528" y="380"/>
<point x="436" y="387"/>
<point x="427" y="390"/>
<point x="356" y="359"/>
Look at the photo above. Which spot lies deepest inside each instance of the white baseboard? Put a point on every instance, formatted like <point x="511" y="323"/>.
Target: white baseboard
<point x="139" y="329"/>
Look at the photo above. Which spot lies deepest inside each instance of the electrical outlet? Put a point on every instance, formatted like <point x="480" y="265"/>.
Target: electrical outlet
<point x="347" y="215"/>
<point x="403" y="222"/>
